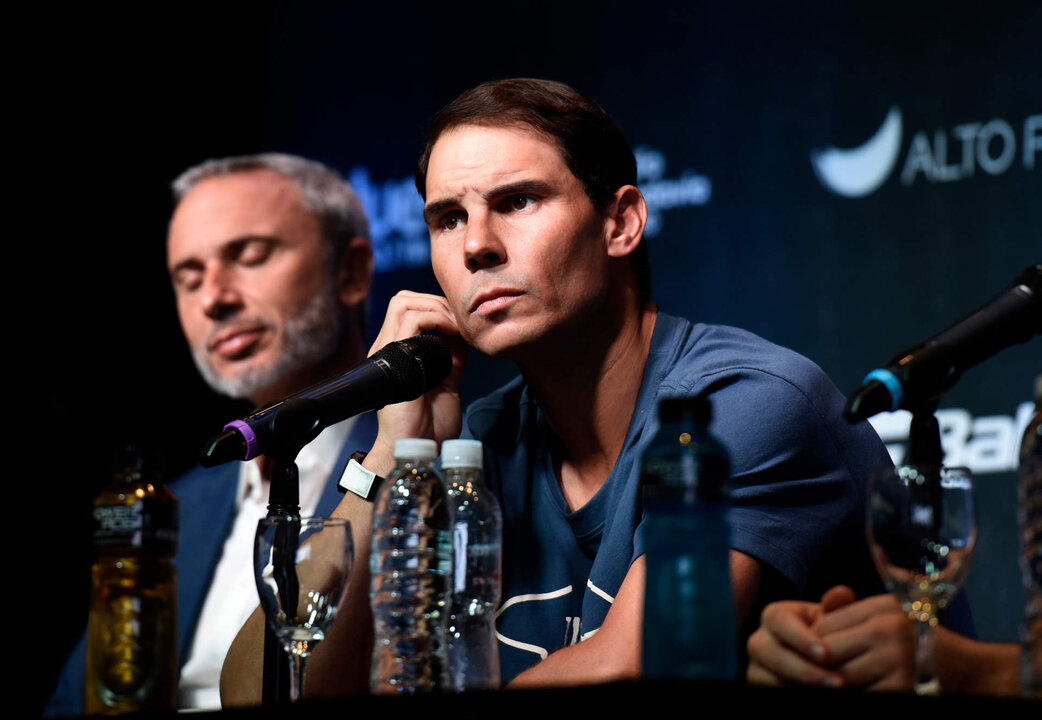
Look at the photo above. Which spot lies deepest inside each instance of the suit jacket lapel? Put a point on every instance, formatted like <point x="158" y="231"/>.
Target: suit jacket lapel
<point x="207" y="512"/>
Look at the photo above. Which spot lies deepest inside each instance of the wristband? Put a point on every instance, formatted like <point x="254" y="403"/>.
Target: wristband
<point x="362" y="482"/>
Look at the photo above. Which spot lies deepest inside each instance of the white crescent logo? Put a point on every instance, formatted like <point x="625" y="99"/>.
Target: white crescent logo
<point x="858" y="171"/>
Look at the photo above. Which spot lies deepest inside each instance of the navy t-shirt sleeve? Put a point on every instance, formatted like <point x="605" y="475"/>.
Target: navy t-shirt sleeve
<point x="799" y="472"/>
<point x="790" y="490"/>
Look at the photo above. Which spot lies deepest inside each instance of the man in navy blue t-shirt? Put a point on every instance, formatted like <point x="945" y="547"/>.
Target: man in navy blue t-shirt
<point x="536" y="228"/>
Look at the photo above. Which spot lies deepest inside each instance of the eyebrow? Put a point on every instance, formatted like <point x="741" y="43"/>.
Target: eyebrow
<point x="522" y="187"/>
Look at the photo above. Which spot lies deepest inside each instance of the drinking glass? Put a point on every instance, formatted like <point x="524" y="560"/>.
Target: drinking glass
<point x="301" y="600"/>
<point x="922" y="529"/>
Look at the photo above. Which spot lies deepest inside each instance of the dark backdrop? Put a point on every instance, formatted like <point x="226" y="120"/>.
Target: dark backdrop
<point x="724" y="107"/>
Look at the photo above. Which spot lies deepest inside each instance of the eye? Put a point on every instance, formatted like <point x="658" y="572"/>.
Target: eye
<point x="187" y="279"/>
<point x="520" y="202"/>
<point x="254" y="252"/>
<point x="451" y="221"/>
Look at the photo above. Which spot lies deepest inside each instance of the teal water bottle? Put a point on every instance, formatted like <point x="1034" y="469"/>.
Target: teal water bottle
<point x="689" y="620"/>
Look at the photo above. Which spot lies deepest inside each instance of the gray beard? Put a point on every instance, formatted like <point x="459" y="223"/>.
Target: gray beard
<point x="310" y="338"/>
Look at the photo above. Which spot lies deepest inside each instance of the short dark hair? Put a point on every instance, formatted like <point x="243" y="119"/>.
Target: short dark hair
<point x="590" y="141"/>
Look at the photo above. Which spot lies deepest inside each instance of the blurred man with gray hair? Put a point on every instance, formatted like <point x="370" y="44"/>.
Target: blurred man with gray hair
<point x="271" y="266"/>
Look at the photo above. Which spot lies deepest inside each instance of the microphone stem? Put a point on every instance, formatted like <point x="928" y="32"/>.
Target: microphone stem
<point x="283" y="500"/>
<point x="924" y="438"/>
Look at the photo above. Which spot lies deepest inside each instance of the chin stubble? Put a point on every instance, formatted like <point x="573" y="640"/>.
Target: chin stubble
<point x="310" y="338"/>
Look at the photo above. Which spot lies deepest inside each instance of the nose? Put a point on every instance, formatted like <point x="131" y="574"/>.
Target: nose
<point x="218" y="295"/>
<point x="484" y="247"/>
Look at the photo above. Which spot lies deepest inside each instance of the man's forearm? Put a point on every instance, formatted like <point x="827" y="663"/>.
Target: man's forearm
<point x="339" y="665"/>
<point x="588" y="663"/>
<point x="975" y="667"/>
<point x="244" y="664"/>
<point x="614" y="651"/>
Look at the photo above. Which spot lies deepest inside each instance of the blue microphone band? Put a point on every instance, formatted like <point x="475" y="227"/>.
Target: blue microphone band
<point x="893" y="385"/>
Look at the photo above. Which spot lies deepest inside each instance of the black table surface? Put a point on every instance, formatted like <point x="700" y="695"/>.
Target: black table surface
<point x="643" y="700"/>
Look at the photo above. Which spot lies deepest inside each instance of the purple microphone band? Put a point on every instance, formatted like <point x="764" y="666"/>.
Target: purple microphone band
<point x="248" y="435"/>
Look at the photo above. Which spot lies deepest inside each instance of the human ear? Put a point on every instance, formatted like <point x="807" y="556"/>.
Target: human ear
<point x="627" y="216"/>
<point x="356" y="272"/>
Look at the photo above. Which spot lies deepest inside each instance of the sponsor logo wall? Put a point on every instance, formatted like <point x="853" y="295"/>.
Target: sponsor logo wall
<point x="941" y="156"/>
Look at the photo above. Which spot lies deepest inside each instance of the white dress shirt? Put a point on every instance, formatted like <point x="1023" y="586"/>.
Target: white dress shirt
<point x="233" y="594"/>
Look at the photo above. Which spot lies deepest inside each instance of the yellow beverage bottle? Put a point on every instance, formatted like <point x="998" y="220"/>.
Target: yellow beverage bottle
<point x="132" y="628"/>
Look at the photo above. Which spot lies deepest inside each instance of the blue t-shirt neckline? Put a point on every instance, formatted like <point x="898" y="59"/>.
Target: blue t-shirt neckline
<point x="587" y="522"/>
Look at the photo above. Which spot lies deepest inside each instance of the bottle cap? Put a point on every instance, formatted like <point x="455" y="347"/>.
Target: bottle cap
<point x="142" y="458"/>
<point x="461" y="453"/>
<point x="419" y="448"/>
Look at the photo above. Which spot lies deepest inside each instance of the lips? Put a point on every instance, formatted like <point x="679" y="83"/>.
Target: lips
<point x="236" y="342"/>
<point x="494" y="300"/>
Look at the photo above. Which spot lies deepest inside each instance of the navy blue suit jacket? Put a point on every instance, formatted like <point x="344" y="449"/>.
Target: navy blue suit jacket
<point x="207" y="499"/>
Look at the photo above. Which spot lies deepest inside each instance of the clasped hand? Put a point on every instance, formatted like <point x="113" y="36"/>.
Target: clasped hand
<point x="838" y="642"/>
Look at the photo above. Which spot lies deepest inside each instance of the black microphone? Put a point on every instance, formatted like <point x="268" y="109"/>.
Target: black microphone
<point x="916" y="378"/>
<point x="399" y="371"/>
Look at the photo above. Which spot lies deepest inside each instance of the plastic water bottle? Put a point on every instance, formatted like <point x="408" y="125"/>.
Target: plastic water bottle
<point x="477" y="529"/>
<point x="131" y="662"/>
<point x="1029" y="508"/>
<point x="689" y="620"/>
<point x="409" y="567"/>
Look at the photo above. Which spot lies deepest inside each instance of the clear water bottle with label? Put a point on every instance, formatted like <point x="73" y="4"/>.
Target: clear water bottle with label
<point x="1029" y="508"/>
<point x="131" y="662"/>
<point x="689" y="619"/>
<point x="477" y="528"/>
<point x="409" y="565"/>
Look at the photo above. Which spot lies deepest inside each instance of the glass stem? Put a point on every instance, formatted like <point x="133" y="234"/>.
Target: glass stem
<point x="296" y="676"/>
<point x="925" y="681"/>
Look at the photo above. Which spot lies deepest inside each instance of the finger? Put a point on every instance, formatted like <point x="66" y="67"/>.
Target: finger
<point x="789" y="622"/>
<point x="856" y="613"/>
<point x="879" y="671"/>
<point x="881" y="646"/>
<point x="406" y="300"/>
<point x="837" y="597"/>
<point x="757" y="674"/>
<point x="409" y="302"/>
<point x="410" y="314"/>
<point x="413" y="323"/>
<point x="888" y="663"/>
<point x="904" y="681"/>
<point x="771" y="663"/>
<point x="458" y="348"/>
